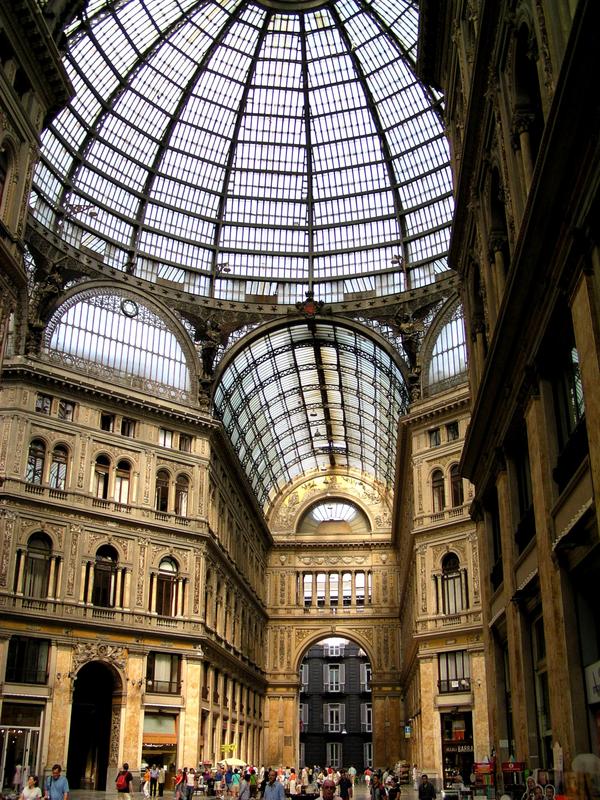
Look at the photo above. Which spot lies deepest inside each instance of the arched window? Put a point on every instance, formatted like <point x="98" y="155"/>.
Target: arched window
<point x="4" y="167"/>
<point x="35" y="462"/>
<point x="122" y="481"/>
<point x="101" y="475"/>
<point x="437" y="491"/>
<point x="162" y="490"/>
<point x="456" y="483"/>
<point x="166" y="588"/>
<point x="105" y="567"/>
<point x="453" y="585"/>
<point x="37" y="566"/>
<point x="58" y="467"/>
<point x="182" y="490"/>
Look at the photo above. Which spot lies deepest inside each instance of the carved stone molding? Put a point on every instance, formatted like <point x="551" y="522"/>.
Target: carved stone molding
<point x="83" y="653"/>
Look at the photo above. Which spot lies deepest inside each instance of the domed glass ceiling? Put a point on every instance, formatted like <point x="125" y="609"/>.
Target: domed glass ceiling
<point x="246" y="151"/>
<point x="311" y="397"/>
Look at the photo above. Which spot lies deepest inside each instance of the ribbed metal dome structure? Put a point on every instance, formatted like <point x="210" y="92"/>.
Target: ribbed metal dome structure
<point x="242" y="150"/>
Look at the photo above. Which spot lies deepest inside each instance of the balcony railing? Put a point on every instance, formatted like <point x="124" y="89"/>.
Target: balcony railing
<point x="442" y="517"/>
<point x="162" y="687"/>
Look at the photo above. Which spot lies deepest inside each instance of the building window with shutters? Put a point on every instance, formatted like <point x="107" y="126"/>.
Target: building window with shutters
<point x="334" y="677"/>
<point x="366" y="717"/>
<point x="334" y="717"/>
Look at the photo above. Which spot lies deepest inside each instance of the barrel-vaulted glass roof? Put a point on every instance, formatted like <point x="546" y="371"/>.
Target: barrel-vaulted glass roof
<point x="310" y="397"/>
<point x="245" y="151"/>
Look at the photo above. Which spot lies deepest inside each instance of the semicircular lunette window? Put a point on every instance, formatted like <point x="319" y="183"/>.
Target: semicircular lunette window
<point x="311" y="398"/>
<point x="110" y="336"/>
<point x="242" y="152"/>
<point x="334" y="516"/>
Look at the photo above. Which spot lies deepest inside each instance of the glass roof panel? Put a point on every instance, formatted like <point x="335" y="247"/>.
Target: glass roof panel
<point x="297" y="147"/>
<point x="311" y="395"/>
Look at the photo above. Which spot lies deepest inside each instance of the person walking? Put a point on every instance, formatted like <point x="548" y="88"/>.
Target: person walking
<point x="345" y="785"/>
<point x="162" y="777"/>
<point x="57" y="785"/>
<point x="123" y="782"/>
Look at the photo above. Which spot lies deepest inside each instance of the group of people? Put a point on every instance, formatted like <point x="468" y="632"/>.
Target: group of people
<point x="56" y="786"/>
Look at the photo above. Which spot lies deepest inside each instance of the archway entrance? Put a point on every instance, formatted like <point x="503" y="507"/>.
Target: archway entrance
<point x="89" y="738"/>
<point x="336" y="713"/>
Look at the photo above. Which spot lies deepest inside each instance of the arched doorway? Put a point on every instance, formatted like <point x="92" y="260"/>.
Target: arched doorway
<point x="89" y="738"/>
<point x="335" y="711"/>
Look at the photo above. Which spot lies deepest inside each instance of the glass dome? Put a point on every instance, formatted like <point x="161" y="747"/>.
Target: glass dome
<point x="248" y="151"/>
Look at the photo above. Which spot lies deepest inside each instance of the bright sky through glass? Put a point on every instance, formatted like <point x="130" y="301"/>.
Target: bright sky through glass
<point x="244" y="153"/>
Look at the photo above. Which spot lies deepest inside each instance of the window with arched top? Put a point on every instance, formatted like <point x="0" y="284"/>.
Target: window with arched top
<point x="4" y="169"/>
<point x="454" y="595"/>
<point x="448" y="361"/>
<point x="166" y="588"/>
<point x="122" y="481"/>
<point x="37" y="566"/>
<point x="438" y="494"/>
<point x="58" y="467"/>
<point x="456" y="485"/>
<point x="182" y="490"/>
<point x="105" y="568"/>
<point x="163" y="480"/>
<point x="36" y="458"/>
<point x="101" y="476"/>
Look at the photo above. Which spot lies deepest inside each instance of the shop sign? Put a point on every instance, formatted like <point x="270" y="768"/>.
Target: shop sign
<point x="458" y="748"/>
<point x="407" y="731"/>
<point x="592" y="682"/>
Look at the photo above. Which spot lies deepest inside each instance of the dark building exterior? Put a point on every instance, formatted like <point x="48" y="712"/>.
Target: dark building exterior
<point x="335" y="706"/>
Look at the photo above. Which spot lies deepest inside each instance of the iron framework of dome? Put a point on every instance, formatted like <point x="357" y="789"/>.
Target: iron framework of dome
<point x="244" y="151"/>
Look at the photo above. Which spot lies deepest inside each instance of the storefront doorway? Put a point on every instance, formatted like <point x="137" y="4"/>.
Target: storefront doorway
<point x="19" y="740"/>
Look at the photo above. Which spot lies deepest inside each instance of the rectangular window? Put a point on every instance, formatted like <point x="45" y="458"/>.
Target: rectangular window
<point x="162" y="673"/>
<point x="303" y="717"/>
<point x="165" y="437"/>
<point x="185" y="443"/>
<point x="368" y="754"/>
<point x="332" y="650"/>
<point x="334" y="715"/>
<point x="452" y="431"/>
<point x="366" y="717"/>
<point x="434" y="437"/>
<point x="334" y="754"/>
<point x="454" y="672"/>
<point x="66" y="410"/>
<point x="334" y="676"/>
<point x="304" y="677"/>
<point x="43" y="404"/>
<point x="128" y="427"/>
<point x="27" y="660"/>
<point x="365" y="677"/>
<point x="321" y="586"/>
<point x="107" y="422"/>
